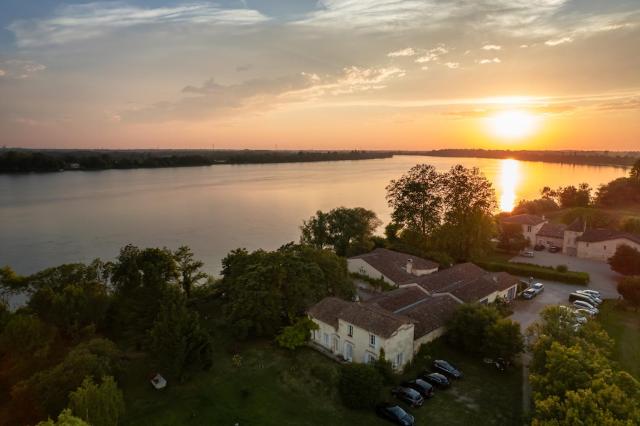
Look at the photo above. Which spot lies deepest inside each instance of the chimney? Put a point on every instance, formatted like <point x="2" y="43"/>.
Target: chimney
<point x="495" y="279"/>
<point x="410" y="266"/>
<point x="544" y="218"/>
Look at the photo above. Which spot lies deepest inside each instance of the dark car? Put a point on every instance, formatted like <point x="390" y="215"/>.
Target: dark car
<point x="425" y="388"/>
<point x="554" y="249"/>
<point x="538" y="247"/>
<point x="394" y="413"/>
<point x="442" y="366"/>
<point x="408" y="395"/>
<point x="437" y="379"/>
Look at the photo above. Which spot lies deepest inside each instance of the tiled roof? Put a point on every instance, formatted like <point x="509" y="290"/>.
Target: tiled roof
<point x="369" y="317"/>
<point x="393" y="264"/>
<point x="597" y="235"/>
<point x="552" y="230"/>
<point x="430" y="313"/>
<point x="577" y="225"/>
<point x="523" y="219"/>
<point x="398" y="298"/>
<point x="467" y="282"/>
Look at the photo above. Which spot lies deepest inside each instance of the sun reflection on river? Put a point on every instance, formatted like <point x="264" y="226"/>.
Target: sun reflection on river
<point x="508" y="181"/>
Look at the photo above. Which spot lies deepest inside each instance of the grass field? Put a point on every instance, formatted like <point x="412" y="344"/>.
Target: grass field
<point x="274" y="387"/>
<point x="624" y="327"/>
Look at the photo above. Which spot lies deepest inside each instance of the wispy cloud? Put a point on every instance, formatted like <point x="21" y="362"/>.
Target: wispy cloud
<point x="491" y="47"/>
<point x="19" y="68"/>
<point x="489" y="61"/>
<point x="212" y="98"/>
<point x="432" y="55"/>
<point x="558" y="41"/>
<point x="89" y="20"/>
<point x="409" y="51"/>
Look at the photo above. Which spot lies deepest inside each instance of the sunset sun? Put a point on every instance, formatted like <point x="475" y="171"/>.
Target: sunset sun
<point x="513" y="124"/>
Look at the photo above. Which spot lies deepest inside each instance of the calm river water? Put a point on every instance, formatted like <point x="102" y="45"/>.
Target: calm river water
<point x="49" y="219"/>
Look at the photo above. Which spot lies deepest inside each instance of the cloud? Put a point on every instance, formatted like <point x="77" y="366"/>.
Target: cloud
<point x="452" y="65"/>
<point x="629" y="103"/>
<point x="432" y="54"/>
<point x="409" y="51"/>
<point x="491" y="47"/>
<point x="489" y="61"/>
<point x="84" y="21"/>
<point x="558" y="41"/>
<point x="257" y="95"/>
<point x="19" y="68"/>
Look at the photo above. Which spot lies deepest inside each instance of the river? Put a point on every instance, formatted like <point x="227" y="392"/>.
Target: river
<point x="50" y="219"/>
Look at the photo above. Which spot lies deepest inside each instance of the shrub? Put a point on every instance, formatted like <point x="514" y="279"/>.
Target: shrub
<point x="629" y="288"/>
<point x="296" y="335"/>
<point x="562" y="268"/>
<point x="626" y="260"/>
<point x="360" y="386"/>
<point x="536" y="271"/>
<point x="325" y="374"/>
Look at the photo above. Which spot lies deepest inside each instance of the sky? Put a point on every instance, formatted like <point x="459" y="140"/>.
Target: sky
<point x="321" y="74"/>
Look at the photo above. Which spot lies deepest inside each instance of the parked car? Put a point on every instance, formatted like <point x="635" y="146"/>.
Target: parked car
<point x="408" y="395"/>
<point x="395" y="414"/>
<point x="581" y="304"/>
<point x="554" y="249"/>
<point x="592" y="293"/>
<point x="538" y="288"/>
<point x="529" y="294"/>
<point x="425" y="388"/>
<point x="447" y="369"/>
<point x="436" y="379"/>
<point x="582" y="297"/>
<point x="584" y="312"/>
<point x="539" y="247"/>
<point x="527" y="253"/>
<point x="581" y="319"/>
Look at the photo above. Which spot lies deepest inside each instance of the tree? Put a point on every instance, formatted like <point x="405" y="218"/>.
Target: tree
<point x="360" y="386"/>
<point x="570" y="196"/>
<point x="177" y="339"/>
<point x="511" y="238"/>
<point x="536" y="207"/>
<point x="631" y="225"/>
<point x="348" y="231"/>
<point x="503" y="339"/>
<point x="188" y="269"/>
<point x="416" y="199"/>
<point x="49" y="389"/>
<point x="626" y="260"/>
<point x="634" y="173"/>
<point x="629" y="288"/>
<point x="467" y="328"/>
<point x="265" y="291"/>
<point x="98" y="404"/>
<point x="65" y="419"/>
<point x="297" y="334"/>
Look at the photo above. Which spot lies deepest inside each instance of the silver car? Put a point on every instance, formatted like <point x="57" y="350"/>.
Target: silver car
<point x="581" y="304"/>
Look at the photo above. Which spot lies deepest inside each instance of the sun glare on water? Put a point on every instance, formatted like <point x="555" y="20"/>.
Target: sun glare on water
<point x="513" y="124"/>
<point x="508" y="181"/>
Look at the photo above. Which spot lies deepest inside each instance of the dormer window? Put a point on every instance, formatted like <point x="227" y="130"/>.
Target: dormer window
<point x="350" y="330"/>
<point x="372" y="340"/>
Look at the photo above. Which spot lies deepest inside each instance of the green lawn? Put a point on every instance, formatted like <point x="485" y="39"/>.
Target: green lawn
<point x="273" y="387"/>
<point x="624" y="327"/>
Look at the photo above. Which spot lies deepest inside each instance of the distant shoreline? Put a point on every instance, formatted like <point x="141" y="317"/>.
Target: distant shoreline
<point x="21" y="160"/>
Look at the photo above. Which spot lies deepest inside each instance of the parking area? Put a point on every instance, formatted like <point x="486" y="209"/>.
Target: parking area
<point x="603" y="279"/>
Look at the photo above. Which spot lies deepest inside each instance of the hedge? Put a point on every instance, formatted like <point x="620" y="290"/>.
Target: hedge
<point x="536" y="271"/>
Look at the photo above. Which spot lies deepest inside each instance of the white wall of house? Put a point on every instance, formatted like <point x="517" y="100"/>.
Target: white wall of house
<point x="359" y="266"/>
<point x="569" y="244"/>
<point x="361" y="347"/>
<point x="603" y="250"/>
<point x="428" y="338"/>
<point x="531" y="231"/>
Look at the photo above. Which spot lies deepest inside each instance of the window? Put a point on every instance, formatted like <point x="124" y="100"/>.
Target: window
<point x="399" y="359"/>
<point x="369" y="357"/>
<point x="372" y="340"/>
<point x="350" y="330"/>
<point x="605" y="248"/>
<point x="529" y="228"/>
<point x="326" y="339"/>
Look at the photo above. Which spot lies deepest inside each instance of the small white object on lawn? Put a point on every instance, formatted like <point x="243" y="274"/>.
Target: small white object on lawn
<point x="158" y="381"/>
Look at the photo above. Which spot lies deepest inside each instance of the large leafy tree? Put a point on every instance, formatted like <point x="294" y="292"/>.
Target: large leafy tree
<point x="503" y="339"/>
<point x="467" y="328"/>
<point x="177" y="339"/>
<point x="265" y="291"/>
<point x="189" y="269"/>
<point x="626" y="260"/>
<point x="629" y="288"/>
<point x="98" y="404"/>
<point x="65" y="418"/>
<point x="348" y="231"/>
<point x="511" y="238"/>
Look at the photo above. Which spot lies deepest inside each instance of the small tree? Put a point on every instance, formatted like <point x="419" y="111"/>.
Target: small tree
<point x="468" y="327"/>
<point x="99" y="405"/>
<point x="360" y="386"/>
<point x="384" y="367"/>
<point x="298" y="334"/>
<point x="503" y="339"/>
<point x="629" y="288"/>
<point x="626" y="260"/>
<point x="511" y="238"/>
<point x="189" y="272"/>
<point x="65" y="419"/>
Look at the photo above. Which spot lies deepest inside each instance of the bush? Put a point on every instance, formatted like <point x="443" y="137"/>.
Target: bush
<point x="360" y="386"/>
<point x="562" y="268"/>
<point x="629" y="288"/>
<point x="536" y="271"/>
<point x="626" y="260"/>
<point x="326" y="374"/>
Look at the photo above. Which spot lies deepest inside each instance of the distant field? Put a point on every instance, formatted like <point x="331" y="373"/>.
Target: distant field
<point x="624" y="327"/>
<point x="273" y="387"/>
